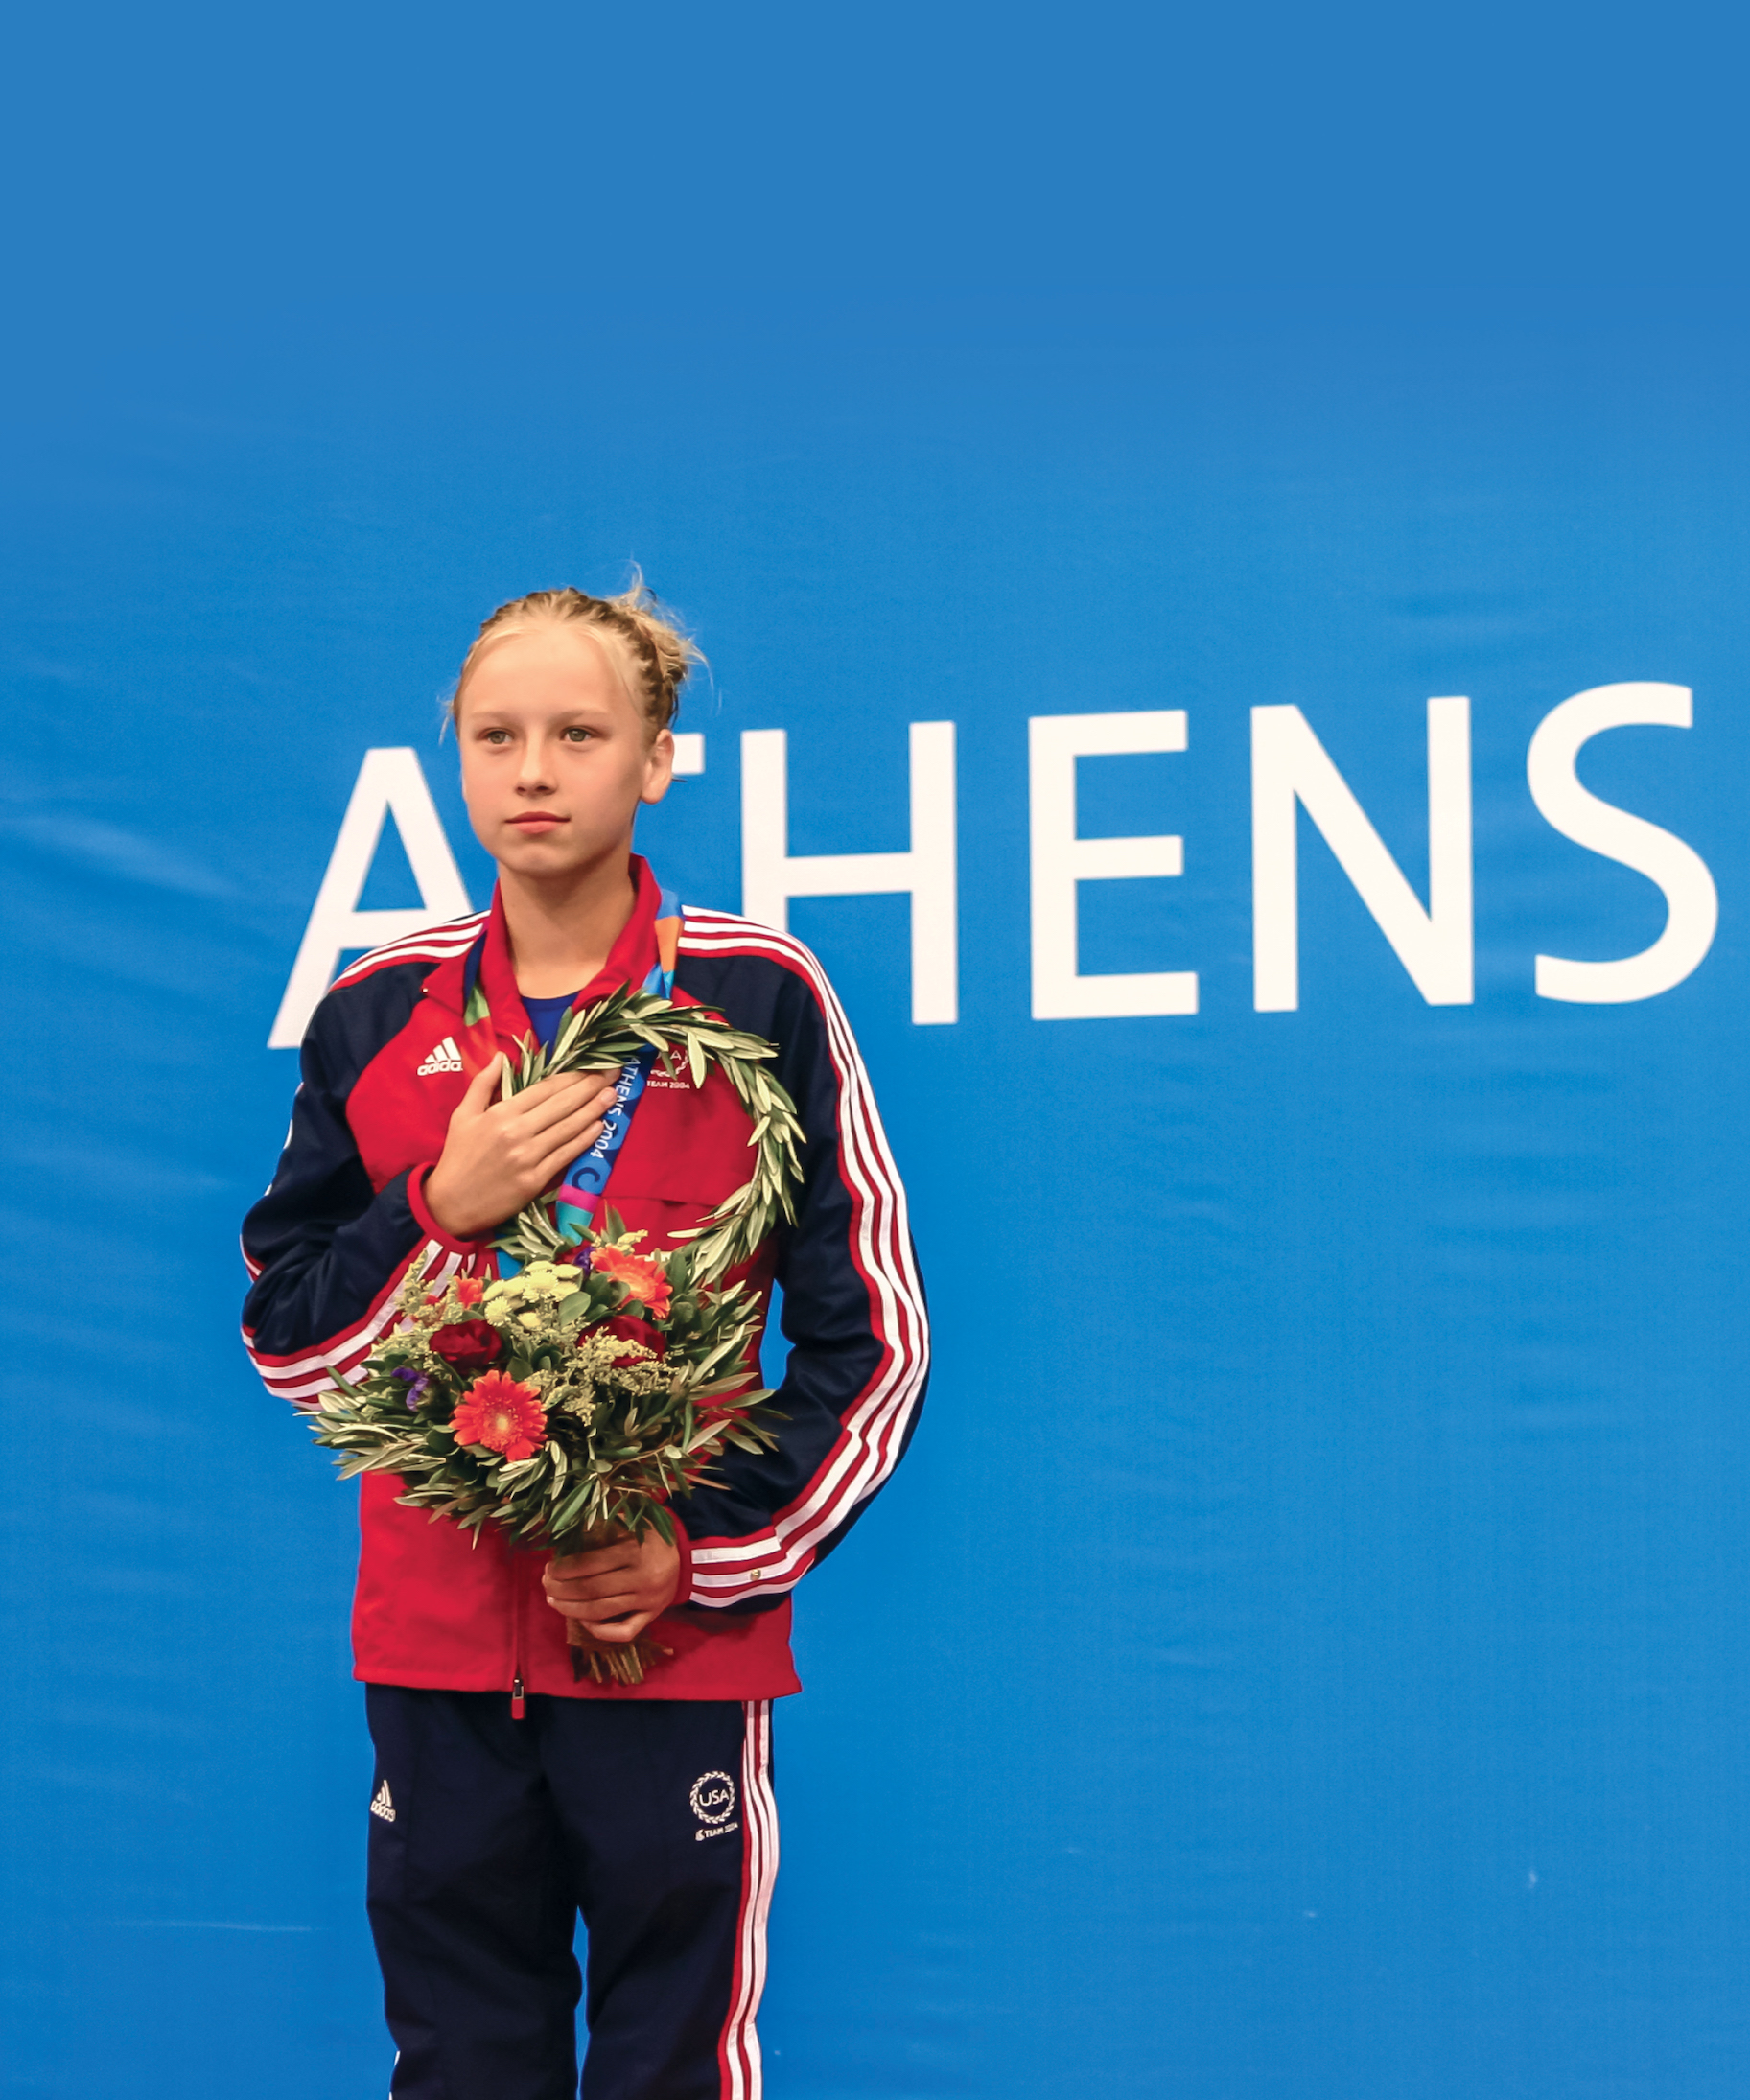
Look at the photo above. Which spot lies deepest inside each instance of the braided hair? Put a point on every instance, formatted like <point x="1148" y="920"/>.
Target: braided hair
<point x="650" y="652"/>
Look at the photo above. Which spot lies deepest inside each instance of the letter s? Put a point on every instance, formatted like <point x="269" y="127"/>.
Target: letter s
<point x="1691" y="901"/>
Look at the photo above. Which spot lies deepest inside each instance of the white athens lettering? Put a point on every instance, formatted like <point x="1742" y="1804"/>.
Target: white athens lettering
<point x="1295" y="773"/>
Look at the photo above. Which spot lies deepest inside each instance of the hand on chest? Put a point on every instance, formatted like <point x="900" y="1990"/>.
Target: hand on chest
<point x="686" y="1146"/>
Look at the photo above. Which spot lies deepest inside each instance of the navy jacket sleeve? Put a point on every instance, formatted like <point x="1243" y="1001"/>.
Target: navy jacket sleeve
<point x="327" y="1253"/>
<point x="853" y="1309"/>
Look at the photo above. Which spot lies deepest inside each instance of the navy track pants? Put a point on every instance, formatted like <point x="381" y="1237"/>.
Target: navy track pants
<point x="653" y="1818"/>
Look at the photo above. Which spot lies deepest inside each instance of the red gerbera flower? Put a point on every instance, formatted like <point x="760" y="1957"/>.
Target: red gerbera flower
<point x="499" y="1414"/>
<point x="641" y="1274"/>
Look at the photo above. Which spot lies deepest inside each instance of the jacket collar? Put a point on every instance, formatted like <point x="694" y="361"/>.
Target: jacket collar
<point x="488" y="987"/>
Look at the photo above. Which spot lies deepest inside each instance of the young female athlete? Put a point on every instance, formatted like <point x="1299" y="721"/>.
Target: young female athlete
<point x="507" y="1798"/>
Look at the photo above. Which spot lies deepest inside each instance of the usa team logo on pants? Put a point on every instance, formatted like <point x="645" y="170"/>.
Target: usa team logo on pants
<point x="714" y="1803"/>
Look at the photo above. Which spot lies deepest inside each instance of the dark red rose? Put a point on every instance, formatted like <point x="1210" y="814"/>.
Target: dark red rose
<point x="470" y="1346"/>
<point x="628" y="1327"/>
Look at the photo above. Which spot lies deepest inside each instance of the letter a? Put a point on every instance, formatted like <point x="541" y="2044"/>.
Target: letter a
<point x="389" y="781"/>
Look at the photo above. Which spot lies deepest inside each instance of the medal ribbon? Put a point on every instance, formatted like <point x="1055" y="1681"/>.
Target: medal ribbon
<point x="580" y="1193"/>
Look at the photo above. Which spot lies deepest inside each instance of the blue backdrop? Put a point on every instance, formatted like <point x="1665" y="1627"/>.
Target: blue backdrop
<point x="1303" y="1652"/>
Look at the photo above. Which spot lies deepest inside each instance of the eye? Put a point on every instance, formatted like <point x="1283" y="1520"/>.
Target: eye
<point x="577" y="733"/>
<point x="495" y="736"/>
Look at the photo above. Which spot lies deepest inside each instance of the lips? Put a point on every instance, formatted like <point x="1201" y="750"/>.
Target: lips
<point x="539" y="821"/>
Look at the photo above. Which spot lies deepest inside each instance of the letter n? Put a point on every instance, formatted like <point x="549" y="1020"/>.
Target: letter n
<point x="1291" y="770"/>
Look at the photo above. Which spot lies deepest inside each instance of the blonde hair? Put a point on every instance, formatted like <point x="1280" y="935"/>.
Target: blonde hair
<point x="651" y="653"/>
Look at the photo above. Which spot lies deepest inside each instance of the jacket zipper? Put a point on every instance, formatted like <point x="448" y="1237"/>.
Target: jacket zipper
<point x="519" y="1706"/>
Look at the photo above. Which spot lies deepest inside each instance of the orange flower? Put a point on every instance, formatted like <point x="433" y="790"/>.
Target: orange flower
<point x="469" y="1290"/>
<point x="641" y="1274"/>
<point x="499" y="1414"/>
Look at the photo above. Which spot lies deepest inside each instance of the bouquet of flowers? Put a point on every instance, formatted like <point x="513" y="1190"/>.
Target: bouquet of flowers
<point x="571" y="1399"/>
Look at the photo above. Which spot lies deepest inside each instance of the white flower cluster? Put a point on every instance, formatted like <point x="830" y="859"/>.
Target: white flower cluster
<point x="520" y="1300"/>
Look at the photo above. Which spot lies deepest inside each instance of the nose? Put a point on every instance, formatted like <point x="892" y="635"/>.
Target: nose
<point x="534" y="776"/>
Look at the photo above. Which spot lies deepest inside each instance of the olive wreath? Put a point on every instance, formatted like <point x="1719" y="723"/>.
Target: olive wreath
<point x="611" y="1034"/>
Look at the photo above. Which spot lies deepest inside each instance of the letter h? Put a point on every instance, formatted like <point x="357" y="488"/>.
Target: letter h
<point x="770" y="876"/>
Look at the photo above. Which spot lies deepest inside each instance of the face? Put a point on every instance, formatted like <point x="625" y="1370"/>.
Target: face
<point x="556" y="756"/>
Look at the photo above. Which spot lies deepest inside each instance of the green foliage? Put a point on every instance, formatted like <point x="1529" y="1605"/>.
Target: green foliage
<point x="610" y="1034"/>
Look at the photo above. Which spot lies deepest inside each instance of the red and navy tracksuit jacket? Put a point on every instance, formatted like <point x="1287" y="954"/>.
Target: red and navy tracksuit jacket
<point x="385" y="1060"/>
